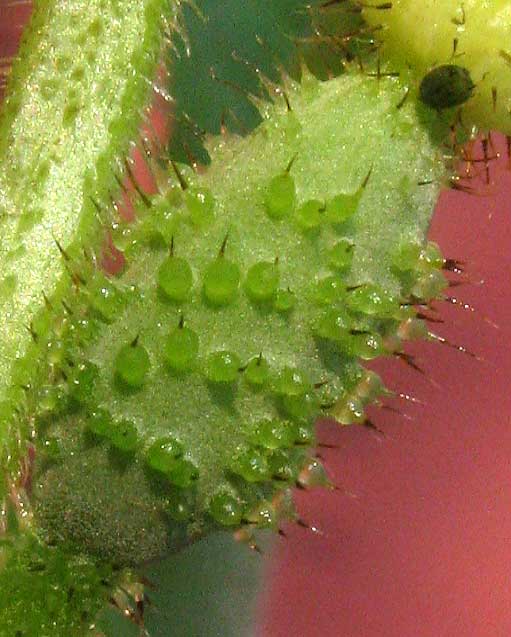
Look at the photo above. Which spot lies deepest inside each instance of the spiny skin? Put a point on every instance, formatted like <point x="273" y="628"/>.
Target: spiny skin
<point x="248" y="301"/>
<point x="473" y="34"/>
<point x="156" y="462"/>
<point x="85" y="73"/>
<point x="74" y="104"/>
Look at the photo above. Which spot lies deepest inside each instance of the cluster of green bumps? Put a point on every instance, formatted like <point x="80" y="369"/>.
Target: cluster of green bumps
<point x="197" y="373"/>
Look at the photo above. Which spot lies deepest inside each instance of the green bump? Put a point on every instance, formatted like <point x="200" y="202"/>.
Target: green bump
<point x="291" y="382"/>
<point x="280" y="198"/>
<point x="308" y="215"/>
<point x="82" y="386"/>
<point x="201" y="206"/>
<point x="175" y="278"/>
<point x="374" y="301"/>
<point x="124" y="436"/>
<point x="333" y="325"/>
<point x="432" y="255"/>
<point x="52" y="399"/>
<point x="181" y="349"/>
<point x="164" y="453"/>
<point x="222" y="367"/>
<point x="7" y="287"/>
<point x="343" y="206"/>
<point x="105" y="298"/>
<point x="221" y="281"/>
<point x="340" y="256"/>
<point x="285" y="465"/>
<point x="262" y="281"/>
<point x="52" y="448"/>
<point x="225" y="509"/>
<point x="257" y="372"/>
<point x="407" y="256"/>
<point x="305" y="435"/>
<point x="284" y="301"/>
<point x="183" y="473"/>
<point x="41" y="323"/>
<point x="132" y="364"/>
<point x="21" y="372"/>
<point x="178" y="507"/>
<point x="100" y="423"/>
<point x="252" y="465"/>
<point x="367" y="346"/>
<point x="301" y="408"/>
<point x="330" y="291"/>
<point x="430" y="286"/>
<point x="55" y="352"/>
<point x="160" y="226"/>
<point x="274" y="434"/>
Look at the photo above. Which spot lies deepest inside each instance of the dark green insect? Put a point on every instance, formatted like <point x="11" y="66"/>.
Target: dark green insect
<point x="446" y="86"/>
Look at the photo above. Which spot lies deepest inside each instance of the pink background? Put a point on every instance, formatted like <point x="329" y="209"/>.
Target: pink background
<point x="421" y="545"/>
<point x="417" y="541"/>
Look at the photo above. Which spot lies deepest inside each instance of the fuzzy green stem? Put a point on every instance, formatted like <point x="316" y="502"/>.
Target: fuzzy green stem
<point x="76" y="100"/>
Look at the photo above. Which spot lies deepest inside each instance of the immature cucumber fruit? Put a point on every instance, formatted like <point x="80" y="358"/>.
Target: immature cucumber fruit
<point x="181" y="396"/>
<point x="72" y="111"/>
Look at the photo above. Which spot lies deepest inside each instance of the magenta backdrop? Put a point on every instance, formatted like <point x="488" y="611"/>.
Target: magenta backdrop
<point x="417" y="541"/>
<point x="421" y="545"/>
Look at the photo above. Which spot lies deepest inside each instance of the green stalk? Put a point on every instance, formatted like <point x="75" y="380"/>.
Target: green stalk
<point x="75" y="101"/>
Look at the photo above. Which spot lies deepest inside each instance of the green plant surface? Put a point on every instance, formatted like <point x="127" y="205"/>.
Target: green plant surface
<point x="74" y="106"/>
<point x="180" y="397"/>
<point x="245" y="303"/>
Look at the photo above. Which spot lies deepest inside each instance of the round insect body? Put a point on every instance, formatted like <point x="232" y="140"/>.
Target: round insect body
<point x="446" y="86"/>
